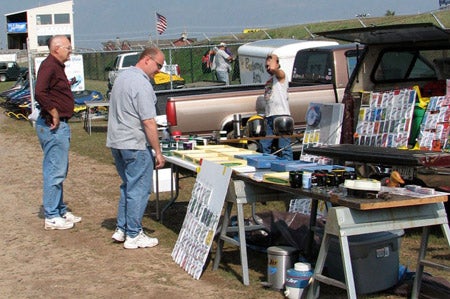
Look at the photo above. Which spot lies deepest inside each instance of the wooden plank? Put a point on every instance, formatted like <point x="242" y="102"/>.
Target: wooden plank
<point x="245" y="139"/>
<point x="394" y="202"/>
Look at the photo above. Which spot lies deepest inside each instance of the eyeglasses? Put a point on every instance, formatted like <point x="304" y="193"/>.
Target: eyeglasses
<point x="68" y="48"/>
<point x="159" y="65"/>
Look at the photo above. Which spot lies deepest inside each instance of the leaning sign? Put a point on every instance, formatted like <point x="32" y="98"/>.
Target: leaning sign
<point x="202" y="217"/>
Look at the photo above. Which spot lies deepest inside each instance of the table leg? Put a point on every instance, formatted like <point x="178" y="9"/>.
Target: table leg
<point x="421" y="259"/>
<point x="222" y="235"/>
<point x="174" y="190"/>
<point x="419" y="268"/>
<point x="320" y="263"/>
<point x="312" y="225"/>
<point x="89" y="120"/>
<point x="348" y="271"/>
<point x="85" y="120"/>
<point x="242" y="243"/>
<point x="157" y="194"/>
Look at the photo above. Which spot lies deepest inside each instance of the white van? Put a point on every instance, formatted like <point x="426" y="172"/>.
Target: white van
<point x="252" y="57"/>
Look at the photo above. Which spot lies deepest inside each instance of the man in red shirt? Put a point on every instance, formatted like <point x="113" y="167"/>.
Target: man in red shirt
<point x="56" y="102"/>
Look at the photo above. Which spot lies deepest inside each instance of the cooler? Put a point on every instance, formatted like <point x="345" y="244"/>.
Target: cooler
<point x="375" y="260"/>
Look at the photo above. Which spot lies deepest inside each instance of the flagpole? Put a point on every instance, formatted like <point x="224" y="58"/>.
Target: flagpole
<point x="156" y="28"/>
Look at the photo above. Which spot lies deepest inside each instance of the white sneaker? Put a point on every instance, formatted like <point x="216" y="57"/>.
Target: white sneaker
<point x="57" y="223"/>
<point x="119" y="235"/>
<point x="141" y="240"/>
<point x="71" y="217"/>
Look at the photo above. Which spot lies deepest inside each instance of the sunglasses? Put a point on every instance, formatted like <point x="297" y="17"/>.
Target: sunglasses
<point x="159" y="65"/>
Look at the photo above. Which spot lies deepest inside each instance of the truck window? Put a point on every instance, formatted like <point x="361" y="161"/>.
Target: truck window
<point x="352" y="59"/>
<point x="405" y="65"/>
<point x="311" y="67"/>
<point x="130" y="60"/>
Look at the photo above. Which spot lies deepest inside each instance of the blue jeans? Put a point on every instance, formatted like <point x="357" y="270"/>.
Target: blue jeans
<point x="266" y="144"/>
<point x="223" y="76"/>
<point x="55" y="145"/>
<point x="135" y="168"/>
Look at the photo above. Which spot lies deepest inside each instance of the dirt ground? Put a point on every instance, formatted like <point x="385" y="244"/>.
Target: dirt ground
<point x="84" y="262"/>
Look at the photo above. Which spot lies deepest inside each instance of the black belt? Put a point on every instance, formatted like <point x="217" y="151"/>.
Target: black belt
<point x="64" y="119"/>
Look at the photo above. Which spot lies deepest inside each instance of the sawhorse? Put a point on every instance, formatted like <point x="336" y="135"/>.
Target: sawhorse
<point x="343" y="222"/>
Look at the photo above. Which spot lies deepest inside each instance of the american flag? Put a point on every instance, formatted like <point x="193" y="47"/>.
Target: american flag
<point x="161" y="23"/>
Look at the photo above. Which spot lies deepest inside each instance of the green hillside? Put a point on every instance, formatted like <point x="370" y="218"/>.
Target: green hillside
<point x="190" y="58"/>
<point x="303" y="31"/>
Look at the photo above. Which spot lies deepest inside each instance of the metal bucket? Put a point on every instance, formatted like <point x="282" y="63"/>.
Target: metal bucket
<point x="280" y="258"/>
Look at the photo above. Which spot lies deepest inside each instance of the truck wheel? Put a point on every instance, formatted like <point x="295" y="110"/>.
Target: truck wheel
<point x="2" y="78"/>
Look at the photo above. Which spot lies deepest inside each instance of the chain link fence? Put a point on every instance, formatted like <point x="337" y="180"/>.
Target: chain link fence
<point x="188" y="58"/>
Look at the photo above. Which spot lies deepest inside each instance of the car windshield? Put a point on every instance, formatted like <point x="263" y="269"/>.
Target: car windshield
<point x="406" y="65"/>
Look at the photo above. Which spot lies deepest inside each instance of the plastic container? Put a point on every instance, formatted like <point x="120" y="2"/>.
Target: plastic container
<point x="376" y="253"/>
<point x="417" y="121"/>
<point x="288" y="165"/>
<point x="261" y="161"/>
<point x="306" y="180"/>
<point x="280" y="258"/>
<point x="297" y="279"/>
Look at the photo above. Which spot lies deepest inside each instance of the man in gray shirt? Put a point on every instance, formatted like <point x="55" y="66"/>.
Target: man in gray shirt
<point x="132" y="135"/>
<point x="222" y="61"/>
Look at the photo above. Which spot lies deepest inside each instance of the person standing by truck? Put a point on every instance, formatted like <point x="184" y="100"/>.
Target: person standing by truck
<point x="132" y="135"/>
<point x="277" y="104"/>
<point x="222" y="64"/>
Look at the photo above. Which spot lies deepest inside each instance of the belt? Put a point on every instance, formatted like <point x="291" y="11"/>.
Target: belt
<point x="64" y="119"/>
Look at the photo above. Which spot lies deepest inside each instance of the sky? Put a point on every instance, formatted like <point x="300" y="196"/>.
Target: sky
<point x="96" y="21"/>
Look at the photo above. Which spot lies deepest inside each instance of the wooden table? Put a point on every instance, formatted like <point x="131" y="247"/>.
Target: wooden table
<point x="245" y="139"/>
<point x="369" y="215"/>
<point x="354" y="216"/>
<point x="381" y="155"/>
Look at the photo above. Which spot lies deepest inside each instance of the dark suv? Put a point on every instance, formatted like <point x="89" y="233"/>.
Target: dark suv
<point x="395" y="57"/>
<point x="10" y="71"/>
<point x="399" y="95"/>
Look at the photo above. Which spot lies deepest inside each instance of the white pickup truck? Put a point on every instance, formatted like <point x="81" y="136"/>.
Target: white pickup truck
<point x="319" y="75"/>
<point x="169" y="73"/>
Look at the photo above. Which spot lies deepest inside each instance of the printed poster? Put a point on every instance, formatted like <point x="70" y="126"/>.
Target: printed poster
<point x="202" y="218"/>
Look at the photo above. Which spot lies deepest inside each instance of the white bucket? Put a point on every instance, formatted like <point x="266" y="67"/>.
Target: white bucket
<point x="297" y="279"/>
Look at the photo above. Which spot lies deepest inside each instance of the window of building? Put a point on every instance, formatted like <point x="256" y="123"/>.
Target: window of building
<point x="63" y="18"/>
<point x="43" y="19"/>
<point x="43" y="40"/>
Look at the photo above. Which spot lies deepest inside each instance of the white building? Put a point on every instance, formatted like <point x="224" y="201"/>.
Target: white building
<point x="38" y="25"/>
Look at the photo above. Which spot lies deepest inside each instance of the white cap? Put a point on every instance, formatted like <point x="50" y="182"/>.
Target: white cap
<point x="302" y="266"/>
<point x="222" y="44"/>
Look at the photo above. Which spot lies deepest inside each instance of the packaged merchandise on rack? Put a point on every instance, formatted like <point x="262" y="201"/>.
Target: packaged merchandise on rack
<point x="385" y="118"/>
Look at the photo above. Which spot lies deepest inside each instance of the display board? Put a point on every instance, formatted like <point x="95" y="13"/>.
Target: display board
<point x="385" y="118"/>
<point x="74" y="71"/>
<point x="323" y="127"/>
<point x="435" y="127"/>
<point x="202" y="217"/>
